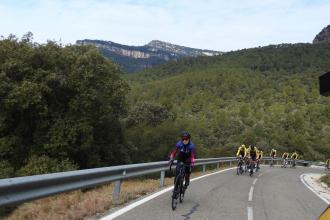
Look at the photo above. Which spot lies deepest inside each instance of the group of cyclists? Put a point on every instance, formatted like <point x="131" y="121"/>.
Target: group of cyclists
<point x="251" y="155"/>
<point x="248" y="159"/>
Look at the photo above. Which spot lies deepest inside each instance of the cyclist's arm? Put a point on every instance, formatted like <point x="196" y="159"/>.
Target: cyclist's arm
<point x="237" y="152"/>
<point x="174" y="152"/>
<point x="193" y="157"/>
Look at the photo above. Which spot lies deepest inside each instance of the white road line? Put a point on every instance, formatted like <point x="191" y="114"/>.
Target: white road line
<point x="254" y="181"/>
<point x="304" y="182"/>
<point x="250" y="213"/>
<point x="260" y="175"/>
<point x="251" y="193"/>
<point x="146" y="199"/>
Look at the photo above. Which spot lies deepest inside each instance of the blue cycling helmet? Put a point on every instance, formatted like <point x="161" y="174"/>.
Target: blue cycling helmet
<point x="185" y="134"/>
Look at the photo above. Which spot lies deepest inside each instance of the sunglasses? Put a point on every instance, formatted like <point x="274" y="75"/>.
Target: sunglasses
<point x="185" y="138"/>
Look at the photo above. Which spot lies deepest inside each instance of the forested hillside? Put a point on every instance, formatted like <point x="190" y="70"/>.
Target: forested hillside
<point x="265" y="96"/>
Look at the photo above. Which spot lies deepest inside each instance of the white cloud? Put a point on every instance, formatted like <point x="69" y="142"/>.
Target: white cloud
<point x="209" y="24"/>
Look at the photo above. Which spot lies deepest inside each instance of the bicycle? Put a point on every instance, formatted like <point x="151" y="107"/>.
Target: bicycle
<point x="258" y="165"/>
<point x="239" y="169"/>
<point x="285" y="163"/>
<point x="252" y="167"/>
<point x="272" y="162"/>
<point x="179" y="189"/>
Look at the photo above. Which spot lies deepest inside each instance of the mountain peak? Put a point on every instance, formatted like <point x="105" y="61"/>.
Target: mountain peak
<point x="323" y="36"/>
<point x="158" y="43"/>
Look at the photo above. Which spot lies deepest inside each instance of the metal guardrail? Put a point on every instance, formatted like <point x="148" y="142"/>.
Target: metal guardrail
<point x="22" y="189"/>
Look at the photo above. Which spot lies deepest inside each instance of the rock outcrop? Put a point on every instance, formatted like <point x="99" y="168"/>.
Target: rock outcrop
<point x="323" y="36"/>
<point x="137" y="58"/>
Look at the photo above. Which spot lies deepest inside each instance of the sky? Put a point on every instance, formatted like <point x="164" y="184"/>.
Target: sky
<point x="222" y="25"/>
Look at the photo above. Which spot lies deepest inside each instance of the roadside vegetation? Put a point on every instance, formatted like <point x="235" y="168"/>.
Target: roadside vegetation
<point x="326" y="179"/>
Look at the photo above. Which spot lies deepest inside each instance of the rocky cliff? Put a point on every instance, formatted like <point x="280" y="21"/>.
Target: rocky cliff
<point x="137" y="58"/>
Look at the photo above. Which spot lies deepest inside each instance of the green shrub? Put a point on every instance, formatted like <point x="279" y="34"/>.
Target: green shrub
<point x="43" y="164"/>
<point x="6" y="170"/>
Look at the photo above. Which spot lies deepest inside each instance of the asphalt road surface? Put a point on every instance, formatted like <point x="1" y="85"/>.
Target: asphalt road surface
<point x="272" y="193"/>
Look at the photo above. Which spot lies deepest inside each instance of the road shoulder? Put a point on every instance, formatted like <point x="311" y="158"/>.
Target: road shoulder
<point x="312" y="181"/>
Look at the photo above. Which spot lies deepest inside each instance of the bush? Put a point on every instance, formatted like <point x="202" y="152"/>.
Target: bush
<point x="41" y="165"/>
<point x="6" y="170"/>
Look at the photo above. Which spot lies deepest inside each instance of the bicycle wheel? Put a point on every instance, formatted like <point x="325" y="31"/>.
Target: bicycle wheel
<point x="175" y="193"/>
<point x="251" y="170"/>
<point x="182" y="191"/>
<point x="241" y="170"/>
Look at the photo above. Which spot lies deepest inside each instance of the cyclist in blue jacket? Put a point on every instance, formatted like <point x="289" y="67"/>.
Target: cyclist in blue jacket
<point x="187" y="154"/>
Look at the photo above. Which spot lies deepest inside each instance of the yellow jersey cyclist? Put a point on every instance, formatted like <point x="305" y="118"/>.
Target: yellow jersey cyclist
<point x="273" y="153"/>
<point x="260" y="154"/>
<point x="252" y="152"/>
<point x="241" y="155"/>
<point x="294" y="157"/>
<point x="285" y="157"/>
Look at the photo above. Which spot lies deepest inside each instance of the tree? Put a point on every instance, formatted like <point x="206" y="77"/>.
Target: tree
<point x="61" y="102"/>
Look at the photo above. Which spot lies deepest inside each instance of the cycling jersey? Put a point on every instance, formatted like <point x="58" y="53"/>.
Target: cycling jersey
<point x="285" y="155"/>
<point x="294" y="156"/>
<point x="186" y="154"/>
<point x="253" y="153"/>
<point x="260" y="154"/>
<point x="273" y="153"/>
<point x="328" y="161"/>
<point x="241" y="151"/>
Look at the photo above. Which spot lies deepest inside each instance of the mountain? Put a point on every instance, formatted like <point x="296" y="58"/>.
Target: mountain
<point x="265" y="96"/>
<point x="137" y="58"/>
<point x="323" y="36"/>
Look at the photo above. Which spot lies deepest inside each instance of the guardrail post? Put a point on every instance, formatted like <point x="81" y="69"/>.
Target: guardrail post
<point x="218" y="165"/>
<point x="162" y="178"/>
<point x="204" y="168"/>
<point x="230" y="164"/>
<point x="116" y="192"/>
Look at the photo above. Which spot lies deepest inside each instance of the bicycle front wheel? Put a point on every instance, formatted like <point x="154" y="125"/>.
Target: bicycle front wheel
<point x="176" y="192"/>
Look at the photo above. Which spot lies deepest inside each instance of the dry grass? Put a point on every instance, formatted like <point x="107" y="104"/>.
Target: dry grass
<point x="81" y="205"/>
<point x="326" y="179"/>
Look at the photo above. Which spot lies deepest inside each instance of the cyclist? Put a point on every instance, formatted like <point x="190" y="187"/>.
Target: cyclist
<point x="241" y="154"/>
<point x="260" y="154"/>
<point x="273" y="156"/>
<point x="285" y="156"/>
<point x="252" y="150"/>
<point x="294" y="157"/>
<point x="327" y="164"/>
<point x="187" y="155"/>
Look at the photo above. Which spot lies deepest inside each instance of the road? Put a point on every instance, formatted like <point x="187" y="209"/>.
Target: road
<point x="273" y="193"/>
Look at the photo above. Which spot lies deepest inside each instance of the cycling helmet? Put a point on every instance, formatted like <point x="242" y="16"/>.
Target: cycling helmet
<point x="185" y="134"/>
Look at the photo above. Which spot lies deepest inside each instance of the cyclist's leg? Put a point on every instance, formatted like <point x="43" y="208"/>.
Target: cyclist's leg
<point x="187" y="176"/>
